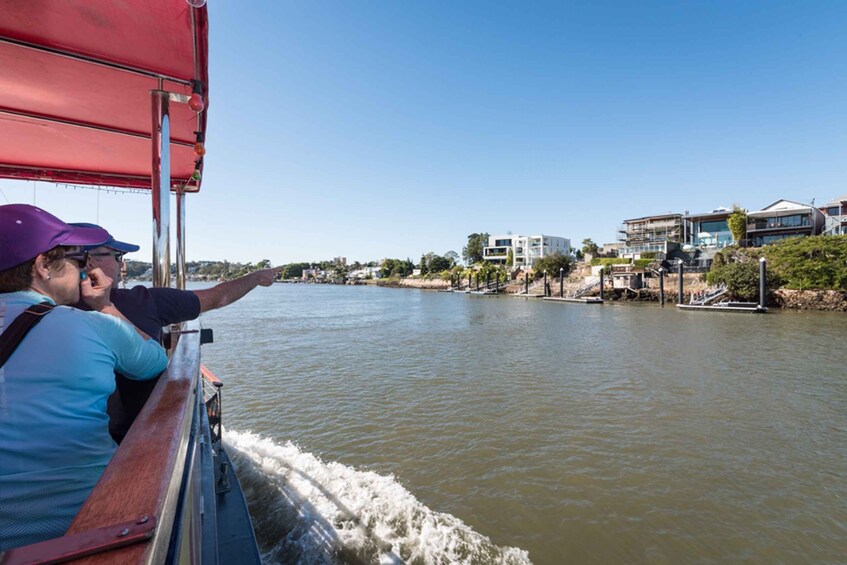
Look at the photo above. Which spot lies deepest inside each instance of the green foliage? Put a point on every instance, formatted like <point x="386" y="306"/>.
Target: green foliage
<point x="649" y="255"/>
<point x="472" y="252"/>
<point x="588" y="246"/>
<point x="609" y="261"/>
<point x="396" y="268"/>
<point x="642" y="262"/>
<point x="423" y="266"/>
<point x="737" y="223"/>
<point x="818" y="262"/>
<point x="741" y="278"/>
<point x="510" y="258"/>
<point x="551" y="264"/>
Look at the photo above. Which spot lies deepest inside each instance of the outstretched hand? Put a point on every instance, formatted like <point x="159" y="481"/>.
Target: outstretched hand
<point x="266" y="277"/>
<point x="95" y="289"/>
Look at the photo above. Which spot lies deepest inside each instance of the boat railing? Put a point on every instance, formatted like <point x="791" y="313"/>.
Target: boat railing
<point x="145" y="485"/>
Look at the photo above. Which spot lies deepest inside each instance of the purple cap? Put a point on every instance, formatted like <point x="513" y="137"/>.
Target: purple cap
<point x="27" y="231"/>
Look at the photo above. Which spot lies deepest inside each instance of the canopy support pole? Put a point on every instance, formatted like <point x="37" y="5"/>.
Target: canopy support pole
<point x="180" y="238"/>
<point x="160" y="185"/>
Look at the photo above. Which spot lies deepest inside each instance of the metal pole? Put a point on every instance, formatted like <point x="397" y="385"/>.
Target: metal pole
<point x="602" y="272"/>
<point x="679" y="273"/>
<point x="180" y="239"/>
<point x="526" y="282"/>
<point x="762" y="269"/>
<point x="662" y="286"/>
<point x="545" y="283"/>
<point x="561" y="282"/>
<point x="487" y="280"/>
<point x="160" y="187"/>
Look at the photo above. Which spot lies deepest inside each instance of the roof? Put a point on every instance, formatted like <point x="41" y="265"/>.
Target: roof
<point x="780" y="207"/>
<point x="75" y="103"/>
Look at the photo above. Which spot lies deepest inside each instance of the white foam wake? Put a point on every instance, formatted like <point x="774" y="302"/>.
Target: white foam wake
<point x="308" y="511"/>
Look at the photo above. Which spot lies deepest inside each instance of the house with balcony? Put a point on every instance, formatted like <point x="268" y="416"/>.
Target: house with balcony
<point x="781" y="220"/>
<point x="526" y="249"/>
<point x="650" y="234"/>
<point x="707" y="231"/>
<point x="835" y="216"/>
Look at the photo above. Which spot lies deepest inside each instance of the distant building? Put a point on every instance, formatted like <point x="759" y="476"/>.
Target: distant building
<point x="835" y="216"/>
<point x="781" y="220"/>
<point x="526" y="249"/>
<point x="650" y="234"/>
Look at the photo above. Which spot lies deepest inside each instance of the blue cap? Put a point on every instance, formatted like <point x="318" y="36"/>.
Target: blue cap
<point x="111" y="243"/>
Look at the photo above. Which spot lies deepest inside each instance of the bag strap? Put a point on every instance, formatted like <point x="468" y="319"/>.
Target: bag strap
<point x="13" y="335"/>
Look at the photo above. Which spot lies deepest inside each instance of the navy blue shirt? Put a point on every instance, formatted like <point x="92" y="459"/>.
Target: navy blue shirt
<point x="151" y="308"/>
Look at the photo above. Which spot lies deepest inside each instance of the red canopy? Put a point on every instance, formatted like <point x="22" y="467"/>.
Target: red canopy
<point x="75" y="84"/>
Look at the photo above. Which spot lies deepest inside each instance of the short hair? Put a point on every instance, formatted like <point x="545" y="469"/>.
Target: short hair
<point x="19" y="277"/>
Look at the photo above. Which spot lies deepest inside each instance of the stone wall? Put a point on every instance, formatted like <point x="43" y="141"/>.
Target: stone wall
<point x="832" y="300"/>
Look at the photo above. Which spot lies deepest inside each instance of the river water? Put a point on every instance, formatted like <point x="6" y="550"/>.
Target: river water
<point x="385" y="425"/>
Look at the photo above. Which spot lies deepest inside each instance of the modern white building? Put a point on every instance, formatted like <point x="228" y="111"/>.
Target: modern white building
<point x="526" y="249"/>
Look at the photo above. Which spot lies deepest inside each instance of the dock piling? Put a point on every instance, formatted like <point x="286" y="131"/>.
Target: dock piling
<point x="602" y="272"/>
<point x="662" y="286"/>
<point x="561" y="282"/>
<point x="679" y="274"/>
<point x="762" y="269"/>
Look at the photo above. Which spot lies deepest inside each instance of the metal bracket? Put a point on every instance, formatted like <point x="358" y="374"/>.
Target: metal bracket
<point x="76" y="546"/>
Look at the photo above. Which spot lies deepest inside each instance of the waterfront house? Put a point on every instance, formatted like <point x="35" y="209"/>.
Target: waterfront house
<point x="835" y="216"/>
<point x="783" y="219"/>
<point x="525" y="249"/>
<point x="650" y="234"/>
<point x="707" y="231"/>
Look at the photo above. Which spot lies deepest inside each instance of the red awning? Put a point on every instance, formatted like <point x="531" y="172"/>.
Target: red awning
<point x="75" y="84"/>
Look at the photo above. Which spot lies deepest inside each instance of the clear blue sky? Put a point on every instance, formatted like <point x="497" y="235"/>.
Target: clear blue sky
<point x="391" y="129"/>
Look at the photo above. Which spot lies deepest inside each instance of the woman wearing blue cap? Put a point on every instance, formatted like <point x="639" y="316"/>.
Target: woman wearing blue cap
<point x="54" y="381"/>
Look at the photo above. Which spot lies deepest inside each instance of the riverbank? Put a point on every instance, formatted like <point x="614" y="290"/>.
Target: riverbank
<point x="787" y="299"/>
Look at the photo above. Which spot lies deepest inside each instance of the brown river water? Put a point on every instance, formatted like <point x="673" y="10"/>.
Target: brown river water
<point x="377" y="425"/>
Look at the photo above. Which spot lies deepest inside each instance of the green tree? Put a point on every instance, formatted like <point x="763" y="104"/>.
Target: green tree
<point x="510" y="258"/>
<point x="737" y="223"/>
<point x="424" y="267"/>
<point x="472" y="252"/>
<point x="438" y="264"/>
<point x="588" y="246"/>
<point x="551" y="265"/>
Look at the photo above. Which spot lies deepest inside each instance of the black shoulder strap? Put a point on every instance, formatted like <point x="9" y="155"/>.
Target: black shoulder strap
<point x="20" y="326"/>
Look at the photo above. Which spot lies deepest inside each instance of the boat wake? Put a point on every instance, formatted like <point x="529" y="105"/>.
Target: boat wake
<point x="308" y="511"/>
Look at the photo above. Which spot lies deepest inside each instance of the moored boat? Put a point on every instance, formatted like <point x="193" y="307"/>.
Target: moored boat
<point x="115" y="95"/>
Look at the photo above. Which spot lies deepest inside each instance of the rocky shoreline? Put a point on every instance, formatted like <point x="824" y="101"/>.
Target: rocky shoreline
<point x="822" y="300"/>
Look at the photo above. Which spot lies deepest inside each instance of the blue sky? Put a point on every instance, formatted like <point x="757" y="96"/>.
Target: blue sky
<point x="391" y="129"/>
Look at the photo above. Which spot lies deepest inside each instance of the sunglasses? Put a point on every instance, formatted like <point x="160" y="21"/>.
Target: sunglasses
<point x="80" y="258"/>
<point x="118" y="255"/>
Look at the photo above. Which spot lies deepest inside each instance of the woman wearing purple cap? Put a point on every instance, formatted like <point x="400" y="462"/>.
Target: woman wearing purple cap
<point x="54" y="431"/>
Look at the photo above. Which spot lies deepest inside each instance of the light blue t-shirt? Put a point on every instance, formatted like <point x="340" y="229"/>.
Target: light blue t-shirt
<point x="54" y="431"/>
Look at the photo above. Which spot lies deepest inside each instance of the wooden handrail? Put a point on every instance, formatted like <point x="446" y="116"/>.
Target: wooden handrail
<point x="145" y="474"/>
<point x="210" y="376"/>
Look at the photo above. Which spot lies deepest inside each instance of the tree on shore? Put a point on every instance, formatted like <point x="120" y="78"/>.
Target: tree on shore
<point x="551" y="265"/>
<point x="588" y="246"/>
<point x="472" y="252"/>
<point x="737" y="223"/>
